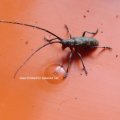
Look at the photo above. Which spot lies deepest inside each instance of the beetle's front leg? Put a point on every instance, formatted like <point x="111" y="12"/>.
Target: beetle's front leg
<point x="68" y="32"/>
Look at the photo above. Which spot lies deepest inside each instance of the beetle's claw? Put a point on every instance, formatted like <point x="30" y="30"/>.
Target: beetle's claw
<point x="85" y="71"/>
<point x="96" y="31"/>
<point x="46" y="39"/>
<point x="109" y="48"/>
<point x="65" y="76"/>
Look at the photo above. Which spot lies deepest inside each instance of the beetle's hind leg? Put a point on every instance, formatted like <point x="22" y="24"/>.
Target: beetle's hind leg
<point x="68" y="32"/>
<point x="84" y="68"/>
<point x="93" y="33"/>
<point x="104" y="47"/>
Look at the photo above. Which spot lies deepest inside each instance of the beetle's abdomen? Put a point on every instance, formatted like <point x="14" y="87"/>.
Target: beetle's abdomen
<point x="81" y="42"/>
<point x="87" y="41"/>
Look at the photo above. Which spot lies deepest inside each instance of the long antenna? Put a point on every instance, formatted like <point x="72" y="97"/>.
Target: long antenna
<point x="34" y="54"/>
<point x="33" y="26"/>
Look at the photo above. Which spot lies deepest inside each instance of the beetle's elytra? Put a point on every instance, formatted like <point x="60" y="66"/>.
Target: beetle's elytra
<point x="74" y="43"/>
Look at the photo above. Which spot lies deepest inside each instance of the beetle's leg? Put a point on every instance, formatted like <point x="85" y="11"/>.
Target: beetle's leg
<point x="94" y="33"/>
<point x="69" y="63"/>
<point x="104" y="47"/>
<point x="68" y="32"/>
<point x="49" y="40"/>
<point x="82" y="62"/>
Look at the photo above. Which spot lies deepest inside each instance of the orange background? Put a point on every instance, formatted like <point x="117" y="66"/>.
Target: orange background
<point x="79" y="97"/>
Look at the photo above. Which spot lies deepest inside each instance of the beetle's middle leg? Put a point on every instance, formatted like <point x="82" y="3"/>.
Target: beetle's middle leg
<point x="68" y="32"/>
<point x="69" y="63"/>
<point x="82" y="62"/>
<point x="94" y="33"/>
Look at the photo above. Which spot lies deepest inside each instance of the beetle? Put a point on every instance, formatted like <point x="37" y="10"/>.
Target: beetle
<point x="74" y="43"/>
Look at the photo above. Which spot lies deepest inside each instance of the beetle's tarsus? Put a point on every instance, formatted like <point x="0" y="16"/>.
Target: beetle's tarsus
<point x="46" y="39"/>
<point x="85" y="71"/>
<point x="104" y="47"/>
<point x="49" y="40"/>
<point x="95" y="32"/>
<point x="65" y="76"/>
<point x="108" y="48"/>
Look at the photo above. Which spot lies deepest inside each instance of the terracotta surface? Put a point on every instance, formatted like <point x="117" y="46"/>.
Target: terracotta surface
<point x="79" y="97"/>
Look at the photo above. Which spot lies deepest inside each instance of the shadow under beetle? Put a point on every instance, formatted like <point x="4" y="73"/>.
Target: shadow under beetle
<point x="74" y="43"/>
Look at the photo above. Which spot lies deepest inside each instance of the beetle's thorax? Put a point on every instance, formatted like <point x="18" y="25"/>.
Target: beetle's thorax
<point x="80" y="42"/>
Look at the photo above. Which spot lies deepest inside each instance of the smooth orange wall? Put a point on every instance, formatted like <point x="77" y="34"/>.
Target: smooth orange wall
<point x="79" y="97"/>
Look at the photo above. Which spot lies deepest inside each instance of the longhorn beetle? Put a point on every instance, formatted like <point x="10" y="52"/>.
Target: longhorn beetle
<point x="74" y="43"/>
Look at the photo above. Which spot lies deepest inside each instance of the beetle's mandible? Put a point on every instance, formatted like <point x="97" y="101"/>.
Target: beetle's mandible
<point x="74" y="43"/>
